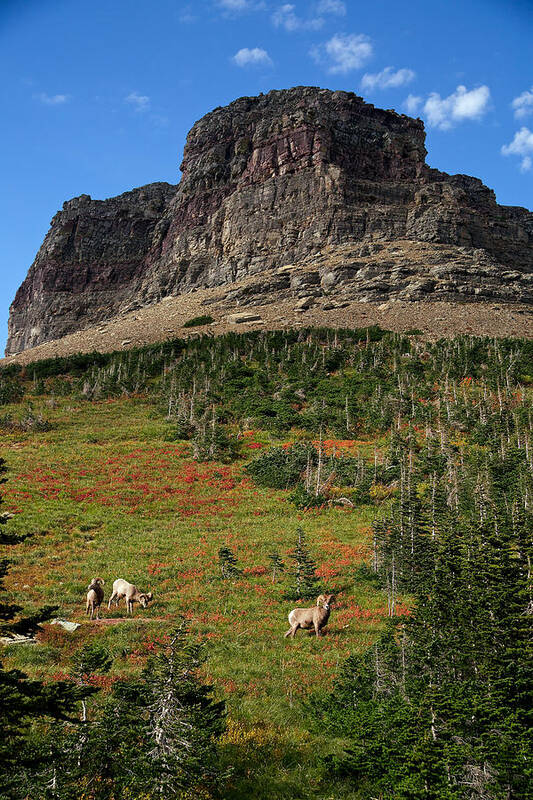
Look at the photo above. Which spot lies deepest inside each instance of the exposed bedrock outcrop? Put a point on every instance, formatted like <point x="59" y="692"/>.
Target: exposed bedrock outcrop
<point x="269" y="181"/>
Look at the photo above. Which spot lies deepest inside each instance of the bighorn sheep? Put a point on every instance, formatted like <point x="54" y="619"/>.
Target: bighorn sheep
<point x="122" y="589"/>
<point x="315" y="617"/>
<point x="95" y="597"/>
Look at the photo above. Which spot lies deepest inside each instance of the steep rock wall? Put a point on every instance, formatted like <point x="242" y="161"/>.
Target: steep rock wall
<point x="267" y="181"/>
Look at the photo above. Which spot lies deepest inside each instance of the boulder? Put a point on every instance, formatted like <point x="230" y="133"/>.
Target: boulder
<point x="304" y="304"/>
<point x="242" y="317"/>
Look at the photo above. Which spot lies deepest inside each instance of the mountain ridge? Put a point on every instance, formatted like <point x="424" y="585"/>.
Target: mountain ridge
<point x="274" y="181"/>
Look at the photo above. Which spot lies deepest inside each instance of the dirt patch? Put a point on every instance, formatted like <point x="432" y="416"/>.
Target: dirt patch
<point x="117" y="620"/>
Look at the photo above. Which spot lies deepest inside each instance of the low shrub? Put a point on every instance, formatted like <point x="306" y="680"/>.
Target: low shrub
<point x="29" y="421"/>
<point x="281" y="468"/>
<point x="212" y="443"/>
<point x="33" y="421"/>
<point x="181" y="430"/>
<point x="303" y="499"/>
<point x="11" y="390"/>
<point x="206" y="319"/>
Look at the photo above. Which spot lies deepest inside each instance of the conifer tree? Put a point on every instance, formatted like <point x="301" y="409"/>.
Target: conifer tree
<point x="440" y="707"/>
<point x="184" y="720"/>
<point x="228" y="563"/>
<point x="158" y="735"/>
<point x="276" y="564"/>
<point x="305" y="583"/>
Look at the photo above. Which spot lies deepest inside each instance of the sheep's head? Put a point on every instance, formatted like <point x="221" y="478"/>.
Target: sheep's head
<point x="144" y="599"/>
<point x="326" y="601"/>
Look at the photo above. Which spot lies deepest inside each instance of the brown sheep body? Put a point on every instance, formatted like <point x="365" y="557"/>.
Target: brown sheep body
<point x="129" y="591"/>
<point x="95" y="597"/>
<point x="315" y="617"/>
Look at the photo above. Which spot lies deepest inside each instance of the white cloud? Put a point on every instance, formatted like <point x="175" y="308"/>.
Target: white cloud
<point x="387" y="79"/>
<point x="444" y="112"/>
<point x="233" y="5"/>
<point x="52" y="100"/>
<point x="236" y="6"/>
<point x="332" y="7"/>
<point x="285" y="17"/>
<point x="412" y="103"/>
<point x="255" y="56"/>
<point x="344" y="52"/>
<point x="523" y="104"/>
<point x="522" y="145"/>
<point x="140" y="102"/>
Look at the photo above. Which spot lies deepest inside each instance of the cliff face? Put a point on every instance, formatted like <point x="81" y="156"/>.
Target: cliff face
<point x="267" y="181"/>
<point x="88" y="263"/>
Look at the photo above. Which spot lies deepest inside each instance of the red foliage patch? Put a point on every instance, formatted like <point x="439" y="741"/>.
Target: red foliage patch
<point x="134" y="480"/>
<point x="257" y="570"/>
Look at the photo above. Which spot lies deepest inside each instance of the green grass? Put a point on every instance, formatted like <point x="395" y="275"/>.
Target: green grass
<point x="104" y="494"/>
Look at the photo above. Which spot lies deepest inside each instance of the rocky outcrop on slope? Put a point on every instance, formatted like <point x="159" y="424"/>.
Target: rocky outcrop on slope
<point x="292" y="177"/>
<point x="88" y="264"/>
<point x="401" y="270"/>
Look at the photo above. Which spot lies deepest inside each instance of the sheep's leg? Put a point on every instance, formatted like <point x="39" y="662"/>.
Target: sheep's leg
<point x="130" y="606"/>
<point x="317" y="629"/>
<point x="113" y="597"/>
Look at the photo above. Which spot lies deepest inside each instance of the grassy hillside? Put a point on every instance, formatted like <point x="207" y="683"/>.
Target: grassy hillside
<point x="143" y="465"/>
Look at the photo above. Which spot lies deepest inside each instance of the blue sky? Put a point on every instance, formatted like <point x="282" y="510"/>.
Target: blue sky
<point x="98" y="95"/>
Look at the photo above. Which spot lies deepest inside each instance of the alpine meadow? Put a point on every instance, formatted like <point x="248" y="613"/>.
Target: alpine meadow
<point x="237" y="478"/>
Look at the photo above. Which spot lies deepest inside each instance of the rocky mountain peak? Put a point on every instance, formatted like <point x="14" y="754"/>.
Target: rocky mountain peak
<point x="270" y="181"/>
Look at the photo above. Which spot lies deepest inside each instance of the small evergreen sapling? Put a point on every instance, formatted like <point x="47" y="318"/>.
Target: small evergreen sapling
<point x="184" y="720"/>
<point x="90" y="660"/>
<point x="277" y="565"/>
<point x="305" y="584"/>
<point x="228" y="563"/>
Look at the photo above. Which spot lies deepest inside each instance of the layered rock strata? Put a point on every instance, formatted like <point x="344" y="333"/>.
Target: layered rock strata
<point x="299" y="176"/>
